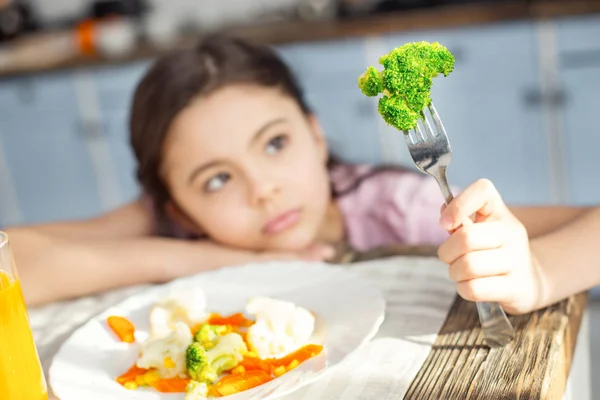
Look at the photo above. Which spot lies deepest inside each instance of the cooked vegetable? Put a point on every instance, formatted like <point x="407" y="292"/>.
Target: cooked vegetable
<point x="406" y="81"/>
<point x="167" y="354"/>
<point x="122" y="327"/>
<point x="205" y="365"/>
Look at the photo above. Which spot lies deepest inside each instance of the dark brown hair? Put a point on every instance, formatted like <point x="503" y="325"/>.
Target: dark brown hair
<point x="176" y="79"/>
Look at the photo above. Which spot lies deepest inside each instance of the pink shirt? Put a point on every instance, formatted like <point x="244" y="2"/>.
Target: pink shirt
<point x="389" y="207"/>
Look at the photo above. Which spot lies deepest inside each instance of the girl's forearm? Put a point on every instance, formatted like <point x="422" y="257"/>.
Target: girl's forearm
<point x="545" y="219"/>
<point x="569" y="257"/>
<point x="53" y="268"/>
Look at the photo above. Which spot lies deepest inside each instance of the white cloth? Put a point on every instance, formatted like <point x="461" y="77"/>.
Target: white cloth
<point x="418" y="296"/>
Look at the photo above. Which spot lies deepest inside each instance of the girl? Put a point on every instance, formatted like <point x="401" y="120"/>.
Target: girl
<point x="234" y="168"/>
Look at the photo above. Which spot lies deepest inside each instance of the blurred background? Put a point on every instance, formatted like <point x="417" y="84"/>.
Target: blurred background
<point x="519" y="108"/>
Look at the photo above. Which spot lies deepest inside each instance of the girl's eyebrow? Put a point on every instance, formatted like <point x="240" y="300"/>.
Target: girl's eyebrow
<point x="201" y="168"/>
<point x="265" y="128"/>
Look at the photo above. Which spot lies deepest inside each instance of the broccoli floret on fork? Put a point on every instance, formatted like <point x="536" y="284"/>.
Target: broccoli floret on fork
<point x="406" y="80"/>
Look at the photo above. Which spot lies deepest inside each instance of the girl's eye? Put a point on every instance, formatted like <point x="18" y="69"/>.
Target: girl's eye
<point x="216" y="182"/>
<point x="276" y="144"/>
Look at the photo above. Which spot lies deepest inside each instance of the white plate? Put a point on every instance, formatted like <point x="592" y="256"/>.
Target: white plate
<point x="348" y="313"/>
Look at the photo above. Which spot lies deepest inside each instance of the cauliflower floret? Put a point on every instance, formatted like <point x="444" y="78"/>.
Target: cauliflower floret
<point x="188" y="306"/>
<point x="205" y="365"/>
<point x="167" y="354"/>
<point x="196" y="391"/>
<point x="281" y="327"/>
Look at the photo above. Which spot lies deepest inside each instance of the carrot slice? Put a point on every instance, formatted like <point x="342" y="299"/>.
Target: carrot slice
<point x="254" y="364"/>
<point x="131" y="374"/>
<point x="172" y="385"/>
<point x="302" y="354"/>
<point x="231" y="384"/>
<point x="122" y="327"/>
<point x="237" y="319"/>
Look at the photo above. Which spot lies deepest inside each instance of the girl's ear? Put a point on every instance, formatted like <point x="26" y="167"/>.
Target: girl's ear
<point x="177" y="215"/>
<point x="319" y="136"/>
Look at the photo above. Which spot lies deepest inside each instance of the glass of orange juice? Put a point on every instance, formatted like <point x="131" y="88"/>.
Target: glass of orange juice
<point x="21" y="375"/>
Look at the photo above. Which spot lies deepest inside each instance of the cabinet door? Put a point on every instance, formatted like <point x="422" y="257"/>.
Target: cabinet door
<point x="116" y="125"/>
<point x="115" y="87"/>
<point x="492" y="133"/>
<point x="45" y="154"/>
<point x="579" y="60"/>
<point x="328" y="73"/>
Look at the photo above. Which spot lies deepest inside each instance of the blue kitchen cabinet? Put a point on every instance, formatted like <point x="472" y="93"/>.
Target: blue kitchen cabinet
<point x="116" y="125"/>
<point x="579" y="76"/>
<point x="45" y="153"/>
<point x="115" y="87"/>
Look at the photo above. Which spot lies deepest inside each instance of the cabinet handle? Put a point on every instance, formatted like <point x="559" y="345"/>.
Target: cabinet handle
<point x="554" y="98"/>
<point x="90" y="129"/>
<point x="580" y="58"/>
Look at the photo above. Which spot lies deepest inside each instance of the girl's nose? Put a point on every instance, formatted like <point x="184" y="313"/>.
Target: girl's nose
<point x="263" y="190"/>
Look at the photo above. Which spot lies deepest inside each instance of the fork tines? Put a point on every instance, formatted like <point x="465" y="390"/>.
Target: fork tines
<point x="417" y="136"/>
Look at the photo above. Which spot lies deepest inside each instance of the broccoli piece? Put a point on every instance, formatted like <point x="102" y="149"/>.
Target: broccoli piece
<point x="406" y="81"/>
<point x="205" y="365"/>
<point x="196" y="391"/>
<point x="209" y="333"/>
<point x="370" y="82"/>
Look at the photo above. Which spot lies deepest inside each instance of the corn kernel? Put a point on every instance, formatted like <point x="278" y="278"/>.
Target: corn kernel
<point x="131" y="385"/>
<point x="239" y="370"/>
<point x="208" y="345"/>
<point x="293" y="365"/>
<point x="151" y="376"/>
<point x="168" y="362"/>
<point x="279" y="371"/>
<point x="250" y="354"/>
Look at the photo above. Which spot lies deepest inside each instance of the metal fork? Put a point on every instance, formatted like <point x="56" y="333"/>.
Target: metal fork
<point x="431" y="153"/>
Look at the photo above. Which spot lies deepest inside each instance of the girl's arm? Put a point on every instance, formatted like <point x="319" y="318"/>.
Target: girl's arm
<point x="544" y="219"/>
<point x="63" y="260"/>
<point x="569" y="256"/>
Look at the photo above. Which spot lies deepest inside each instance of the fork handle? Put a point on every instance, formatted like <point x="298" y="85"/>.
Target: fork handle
<point x="497" y="329"/>
<point x="440" y="177"/>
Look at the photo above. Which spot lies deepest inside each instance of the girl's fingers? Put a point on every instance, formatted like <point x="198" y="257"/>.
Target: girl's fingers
<point x="479" y="265"/>
<point x="493" y="288"/>
<point x="480" y="198"/>
<point x="473" y="237"/>
<point x="318" y="252"/>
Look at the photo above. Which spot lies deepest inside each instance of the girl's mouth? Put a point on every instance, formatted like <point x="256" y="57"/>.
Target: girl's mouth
<point x="282" y="222"/>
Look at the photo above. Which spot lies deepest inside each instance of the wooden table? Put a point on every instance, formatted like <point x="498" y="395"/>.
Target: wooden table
<point x="535" y="365"/>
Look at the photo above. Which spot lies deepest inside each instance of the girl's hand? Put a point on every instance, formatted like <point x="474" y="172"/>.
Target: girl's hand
<point x="490" y="259"/>
<point x="197" y="256"/>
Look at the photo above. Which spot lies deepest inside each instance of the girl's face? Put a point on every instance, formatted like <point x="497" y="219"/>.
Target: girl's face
<point x="247" y="167"/>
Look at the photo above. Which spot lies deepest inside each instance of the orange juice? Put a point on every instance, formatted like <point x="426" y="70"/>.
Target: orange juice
<point x="21" y="376"/>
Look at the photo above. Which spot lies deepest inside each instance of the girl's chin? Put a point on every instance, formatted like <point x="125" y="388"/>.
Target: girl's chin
<point x="298" y="241"/>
